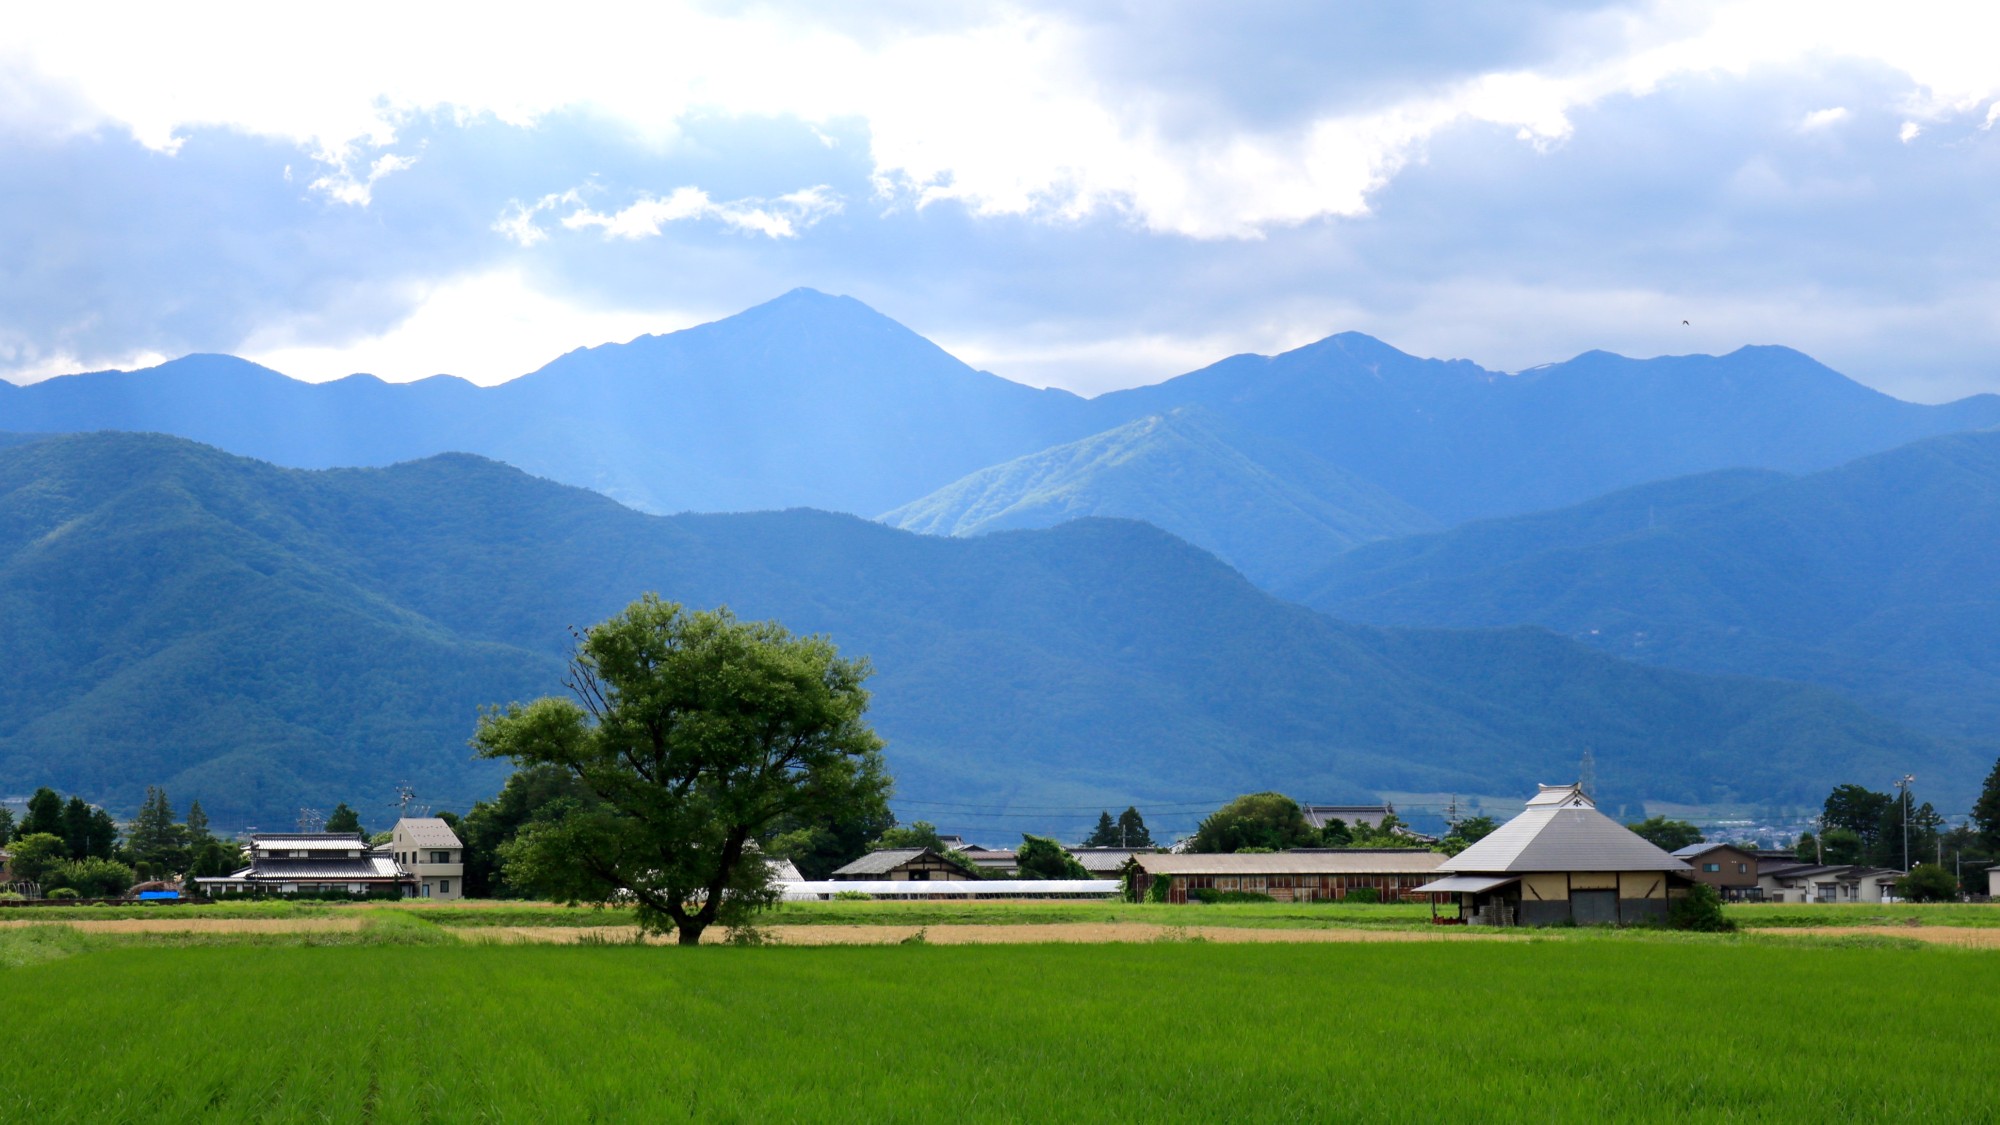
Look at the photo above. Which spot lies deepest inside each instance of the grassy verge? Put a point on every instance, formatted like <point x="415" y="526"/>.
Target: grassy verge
<point x="1546" y="1030"/>
<point x="1767" y="915"/>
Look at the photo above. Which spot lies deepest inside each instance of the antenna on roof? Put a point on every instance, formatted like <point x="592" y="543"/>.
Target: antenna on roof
<point x="312" y="820"/>
<point x="1587" y="774"/>
<point x="1451" y="813"/>
<point x="404" y="795"/>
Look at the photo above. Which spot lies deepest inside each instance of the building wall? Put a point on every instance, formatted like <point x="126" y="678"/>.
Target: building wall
<point x="434" y="880"/>
<point x="1290" y="888"/>
<point x="1552" y="898"/>
<point x="1993" y="882"/>
<point x="929" y="868"/>
<point x="1737" y="870"/>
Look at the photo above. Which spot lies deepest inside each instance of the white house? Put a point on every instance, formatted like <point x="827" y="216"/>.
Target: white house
<point x="291" y="863"/>
<point x="1836" y="883"/>
<point x="431" y="852"/>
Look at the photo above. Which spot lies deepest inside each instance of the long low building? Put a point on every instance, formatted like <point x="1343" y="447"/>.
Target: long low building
<point x="1315" y="875"/>
<point x="954" y="889"/>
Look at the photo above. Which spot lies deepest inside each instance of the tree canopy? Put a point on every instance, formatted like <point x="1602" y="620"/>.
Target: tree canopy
<point x="344" y="819"/>
<point x="1042" y="858"/>
<point x="695" y="733"/>
<point x="1668" y="835"/>
<point x="1986" y="811"/>
<point x="1255" y="820"/>
<point x="1127" y="831"/>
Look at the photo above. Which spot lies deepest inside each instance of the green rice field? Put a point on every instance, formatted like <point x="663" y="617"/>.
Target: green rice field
<point x="408" y="1021"/>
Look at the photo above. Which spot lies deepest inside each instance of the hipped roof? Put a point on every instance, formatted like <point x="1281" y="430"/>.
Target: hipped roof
<point x="1561" y="830"/>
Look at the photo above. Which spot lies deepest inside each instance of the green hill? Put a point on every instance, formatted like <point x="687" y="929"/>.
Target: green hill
<point x="1271" y="511"/>
<point x="1878" y="577"/>
<point x="264" y="638"/>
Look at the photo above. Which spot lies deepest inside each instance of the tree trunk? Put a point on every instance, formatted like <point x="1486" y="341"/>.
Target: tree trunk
<point x="690" y="931"/>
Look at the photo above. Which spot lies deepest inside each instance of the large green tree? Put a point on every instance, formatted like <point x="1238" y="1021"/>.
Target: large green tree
<point x="45" y="814"/>
<point x="6" y="826"/>
<point x="1668" y="835"/>
<point x="1042" y="858"/>
<point x="344" y="819"/>
<point x="37" y="855"/>
<point x="1128" y="831"/>
<point x="1857" y="809"/>
<point x="696" y="733"/>
<point x="1255" y="820"/>
<point x="531" y="793"/>
<point x="154" y="838"/>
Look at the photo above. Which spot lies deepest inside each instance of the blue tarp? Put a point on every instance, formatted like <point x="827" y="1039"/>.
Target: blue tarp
<point x="145" y="895"/>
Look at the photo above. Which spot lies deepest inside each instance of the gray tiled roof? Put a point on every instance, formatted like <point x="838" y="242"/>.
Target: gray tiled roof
<point x="1109" y="860"/>
<point x="1370" y="815"/>
<point x="1562" y="831"/>
<point x="1693" y="850"/>
<point x="323" y="870"/>
<point x="309" y="841"/>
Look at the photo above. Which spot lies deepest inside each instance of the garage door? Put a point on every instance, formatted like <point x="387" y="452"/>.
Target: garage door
<point x="1594" y="908"/>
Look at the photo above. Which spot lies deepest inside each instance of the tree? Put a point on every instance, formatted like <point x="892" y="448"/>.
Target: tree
<point x="6" y="826"/>
<point x="696" y="733"/>
<point x="1389" y="832"/>
<point x="197" y="825"/>
<point x="155" y="839"/>
<point x="921" y="834"/>
<point x="1928" y="882"/>
<point x="1466" y="833"/>
<point x="344" y="819"/>
<point x="1132" y="830"/>
<point x="1042" y="858"/>
<point x="45" y="814"/>
<point x="530" y="793"/>
<point x="37" y="854"/>
<point x="820" y="846"/>
<point x="1255" y="820"/>
<point x="1807" y="847"/>
<point x="1986" y="811"/>
<point x="1841" y="845"/>
<point x="1700" y="909"/>
<point x="1105" y="835"/>
<point x="1667" y="835"/>
<point x="214" y="857"/>
<point x="91" y="877"/>
<point x="76" y="827"/>
<point x="1889" y="845"/>
<point x="1856" y="809"/>
<point x="101" y="839"/>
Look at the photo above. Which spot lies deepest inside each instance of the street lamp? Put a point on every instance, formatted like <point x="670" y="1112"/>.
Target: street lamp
<point x="1903" y="784"/>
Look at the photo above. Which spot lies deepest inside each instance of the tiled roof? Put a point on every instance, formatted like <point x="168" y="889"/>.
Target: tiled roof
<point x="323" y="870"/>
<point x="309" y="841"/>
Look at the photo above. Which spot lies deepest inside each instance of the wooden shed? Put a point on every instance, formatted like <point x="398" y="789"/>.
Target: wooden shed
<point x="901" y="865"/>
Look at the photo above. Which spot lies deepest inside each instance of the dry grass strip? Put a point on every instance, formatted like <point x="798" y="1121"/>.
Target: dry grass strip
<point x="199" y="925"/>
<point x="1968" y="937"/>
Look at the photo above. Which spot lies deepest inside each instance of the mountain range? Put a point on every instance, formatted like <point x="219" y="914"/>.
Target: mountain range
<point x="1878" y="577"/>
<point x="262" y="638"/>
<point x="819" y="401"/>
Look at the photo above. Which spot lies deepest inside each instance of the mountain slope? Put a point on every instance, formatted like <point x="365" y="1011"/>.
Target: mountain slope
<point x="1462" y="442"/>
<point x="1879" y="577"/>
<point x="805" y="400"/>
<point x="1265" y="508"/>
<point x="821" y="401"/>
<point x="263" y="638"/>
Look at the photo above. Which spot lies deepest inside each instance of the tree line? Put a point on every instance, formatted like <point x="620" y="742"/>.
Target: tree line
<point x="75" y="850"/>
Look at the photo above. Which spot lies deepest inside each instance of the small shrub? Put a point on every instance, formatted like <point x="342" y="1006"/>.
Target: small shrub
<point x="921" y="937"/>
<point x="1161" y="888"/>
<point x="1363" y="894"/>
<point x="64" y="893"/>
<point x="853" y="896"/>
<point x="12" y="896"/>
<point x="1699" y="910"/>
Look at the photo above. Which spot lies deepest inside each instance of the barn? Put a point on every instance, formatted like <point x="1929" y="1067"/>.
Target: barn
<point x="1561" y="861"/>
<point x="1315" y="875"/>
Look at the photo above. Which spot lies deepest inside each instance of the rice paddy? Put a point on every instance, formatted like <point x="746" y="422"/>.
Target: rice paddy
<point x="403" y="1019"/>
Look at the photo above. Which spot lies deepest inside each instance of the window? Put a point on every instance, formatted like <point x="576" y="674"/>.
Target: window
<point x="427" y="890"/>
<point x="1743" y="869"/>
<point x="440" y="857"/>
<point x="444" y="886"/>
<point x="1711" y="867"/>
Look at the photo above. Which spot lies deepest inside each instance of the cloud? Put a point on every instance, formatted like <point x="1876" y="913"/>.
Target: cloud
<point x="1823" y="118"/>
<point x="783" y="217"/>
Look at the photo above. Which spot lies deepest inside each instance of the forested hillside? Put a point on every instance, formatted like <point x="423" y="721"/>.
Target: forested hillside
<point x="262" y="638"/>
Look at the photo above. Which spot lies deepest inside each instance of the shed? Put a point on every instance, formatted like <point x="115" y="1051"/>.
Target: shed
<point x="1315" y="875"/>
<point x="1562" y="861"/>
<point x="902" y="865"/>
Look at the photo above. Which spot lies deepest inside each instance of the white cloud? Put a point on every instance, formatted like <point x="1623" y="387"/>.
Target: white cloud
<point x="782" y="217"/>
<point x="1824" y="118"/>
<point x="487" y="328"/>
<point x="1909" y="132"/>
<point x="1005" y="111"/>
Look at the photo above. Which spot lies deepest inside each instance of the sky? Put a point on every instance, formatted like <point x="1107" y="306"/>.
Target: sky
<point x="1080" y="195"/>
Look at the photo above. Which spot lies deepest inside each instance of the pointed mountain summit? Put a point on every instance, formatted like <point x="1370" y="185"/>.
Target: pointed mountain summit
<point x="1266" y="508"/>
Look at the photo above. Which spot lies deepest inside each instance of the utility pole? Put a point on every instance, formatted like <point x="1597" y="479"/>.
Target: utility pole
<point x="1451" y="814"/>
<point x="1819" y="839"/>
<point x="1903" y="786"/>
<point x="1587" y="781"/>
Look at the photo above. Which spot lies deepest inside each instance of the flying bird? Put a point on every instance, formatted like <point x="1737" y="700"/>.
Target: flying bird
<point x="1685" y="324"/>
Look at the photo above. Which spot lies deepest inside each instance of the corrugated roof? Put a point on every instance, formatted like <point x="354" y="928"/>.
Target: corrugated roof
<point x="886" y="860"/>
<point x="1466" y="884"/>
<point x="1360" y="861"/>
<point x="1561" y="830"/>
<point x="784" y="871"/>
<point x="429" y="832"/>
<point x="1370" y="815"/>
<point x="1106" y="859"/>
<point x="1693" y="850"/>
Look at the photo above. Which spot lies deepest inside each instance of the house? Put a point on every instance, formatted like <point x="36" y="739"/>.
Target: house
<point x="1312" y="875"/>
<point x="1562" y="861"/>
<point x="1319" y="816"/>
<point x="1731" y="870"/>
<point x="429" y="850"/>
<point x="1835" y="883"/>
<point x="290" y="863"/>
<point x="902" y="865"/>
